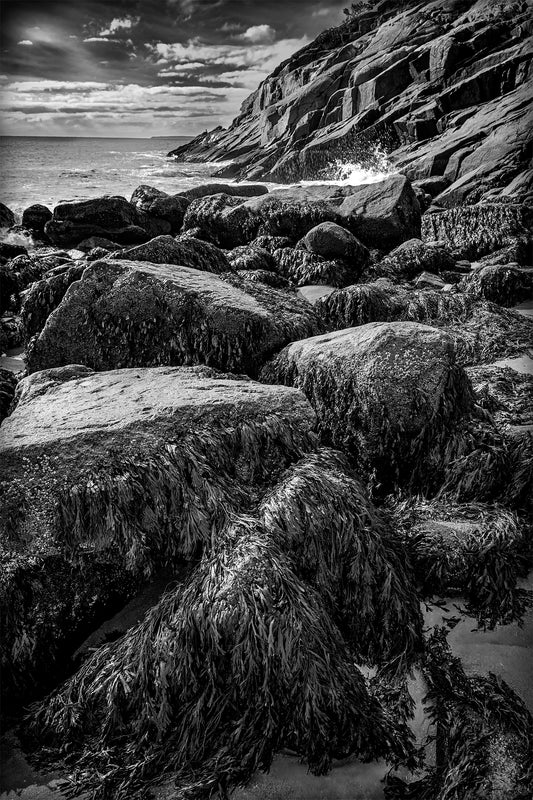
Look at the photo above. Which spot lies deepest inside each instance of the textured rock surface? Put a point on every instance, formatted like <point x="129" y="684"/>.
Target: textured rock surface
<point x="134" y="313"/>
<point x="186" y="252"/>
<point x="332" y="241"/>
<point x="504" y="284"/>
<point x="109" y="217"/>
<point x="303" y="268"/>
<point x="443" y="87"/>
<point x="124" y="441"/>
<point x="386" y="392"/>
<point x="160" y="205"/>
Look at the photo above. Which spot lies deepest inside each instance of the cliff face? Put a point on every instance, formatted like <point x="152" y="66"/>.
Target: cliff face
<point x="443" y="87"/>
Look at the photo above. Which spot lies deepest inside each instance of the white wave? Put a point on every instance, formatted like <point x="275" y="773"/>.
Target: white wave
<point x="17" y="237"/>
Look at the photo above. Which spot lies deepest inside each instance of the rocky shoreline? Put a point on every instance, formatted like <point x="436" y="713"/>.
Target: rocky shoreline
<point x="266" y="463"/>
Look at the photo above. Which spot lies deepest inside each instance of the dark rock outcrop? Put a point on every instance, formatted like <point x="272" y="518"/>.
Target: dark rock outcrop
<point x="161" y="205"/>
<point x="332" y="241"/>
<point x="35" y="217"/>
<point x="445" y="91"/>
<point x="252" y="257"/>
<point x="504" y="284"/>
<point x="302" y="268"/>
<point x="108" y="217"/>
<point x="412" y="257"/>
<point x="7" y="218"/>
<point x="45" y="295"/>
<point x="134" y="313"/>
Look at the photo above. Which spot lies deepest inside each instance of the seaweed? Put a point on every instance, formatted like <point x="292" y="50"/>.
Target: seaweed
<point x="484" y="735"/>
<point x="240" y="661"/>
<point x="476" y="550"/>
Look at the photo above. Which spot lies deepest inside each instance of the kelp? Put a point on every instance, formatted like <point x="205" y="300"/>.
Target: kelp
<point x="303" y="268"/>
<point x="242" y="660"/>
<point x="133" y="513"/>
<point x="476" y="550"/>
<point x="505" y="393"/>
<point x="476" y="230"/>
<point x="489" y="333"/>
<point x="383" y="301"/>
<point x="506" y="285"/>
<point x="484" y="735"/>
<point x="294" y="219"/>
<point x="340" y="545"/>
<point x="8" y="385"/>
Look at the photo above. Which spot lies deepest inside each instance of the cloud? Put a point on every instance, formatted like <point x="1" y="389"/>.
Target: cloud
<point x="120" y="24"/>
<point x="26" y="43"/>
<point x="259" y="34"/>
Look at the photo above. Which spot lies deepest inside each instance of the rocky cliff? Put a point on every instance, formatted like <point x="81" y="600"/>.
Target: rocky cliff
<point x="442" y="87"/>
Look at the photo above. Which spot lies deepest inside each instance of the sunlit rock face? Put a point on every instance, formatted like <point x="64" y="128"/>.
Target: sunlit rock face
<point x="432" y="90"/>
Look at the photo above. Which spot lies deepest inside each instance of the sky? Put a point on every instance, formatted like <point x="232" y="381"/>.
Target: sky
<point x="143" y="67"/>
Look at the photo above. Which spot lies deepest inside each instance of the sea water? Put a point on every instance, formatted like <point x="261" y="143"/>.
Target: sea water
<point x="47" y="170"/>
<point x="42" y="169"/>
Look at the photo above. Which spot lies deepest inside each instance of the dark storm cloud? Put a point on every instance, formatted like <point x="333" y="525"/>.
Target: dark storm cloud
<point x="223" y="46"/>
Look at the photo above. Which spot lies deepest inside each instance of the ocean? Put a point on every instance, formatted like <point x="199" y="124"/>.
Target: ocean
<point x="41" y="169"/>
<point x="47" y="170"/>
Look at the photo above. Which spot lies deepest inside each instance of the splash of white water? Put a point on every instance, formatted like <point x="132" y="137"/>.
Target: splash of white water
<point x="351" y="173"/>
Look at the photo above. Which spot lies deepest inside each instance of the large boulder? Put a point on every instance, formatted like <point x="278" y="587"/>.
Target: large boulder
<point x="221" y="219"/>
<point x="161" y="205"/>
<point x="411" y="258"/>
<point x="135" y="313"/>
<point x="333" y="241"/>
<point x="187" y="252"/>
<point x="7" y="218"/>
<point x="35" y="217"/>
<point x="107" y="476"/>
<point x="387" y="393"/>
<point x="109" y="217"/>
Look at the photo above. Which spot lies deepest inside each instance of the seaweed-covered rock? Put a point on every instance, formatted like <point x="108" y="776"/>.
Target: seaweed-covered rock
<point x="44" y="296"/>
<point x="504" y="284"/>
<point x="287" y="214"/>
<point x="8" y="384"/>
<point x="35" y="217"/>
<point x="505" y="393"/>
<point x="264" y="276"/>
<point x="410" y="258"/>
<point x="383" y="301"/>
<point x="109" y="217"/>
<point x="252" y="257"/>
<point x="7" y="218"/>
<point x="427" y="280"/>
<point x="134" y="313"/>
<point x="232" y="189"/>
<point x="186" y="251"/>
<point x="28" y="268"/>
<point x="475" y="550"/>
<point x="334" y="242"/>
<point x="302" y="268"/>
<point x="161" y="205"/>
<point x="255" y="632"/>
<point x="489" y="332"/>
<point x="477" y="230"/>
<point x="221" y="219"/>
<point x="271" y="243"/>
<point x="107" y="475"/>
<point x="11" y="333"/>
<point x="388" y="393"/>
